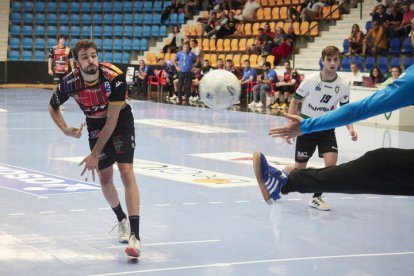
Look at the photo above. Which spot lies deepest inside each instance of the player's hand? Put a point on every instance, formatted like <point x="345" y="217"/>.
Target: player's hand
<point x="354" y="134"/>
<point x="291" y="130"/>
<point x="75" y="132"/>
<point x="50" y="72"/>
<point x="91" y="165"/>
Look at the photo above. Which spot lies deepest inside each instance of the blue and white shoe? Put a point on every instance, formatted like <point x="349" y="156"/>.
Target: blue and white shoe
<point x="270" y="179"/>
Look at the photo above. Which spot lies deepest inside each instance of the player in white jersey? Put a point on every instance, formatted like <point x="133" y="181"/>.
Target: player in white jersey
<point x="319" y="94"/>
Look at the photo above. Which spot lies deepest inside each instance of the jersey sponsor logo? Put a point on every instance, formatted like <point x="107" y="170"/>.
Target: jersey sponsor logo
<point x="118" y="83"/>
<point x="320" y="108"/>
<point x="327" y="86"/>
<point x="107" y="87"/>
<point x="318" y="86"/>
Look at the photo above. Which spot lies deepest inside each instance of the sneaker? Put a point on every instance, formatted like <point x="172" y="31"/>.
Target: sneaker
<point x="270" y="179"/>
<point x="133" y="249"/>
<point x="124" y="231"/>
<point x="283" y="106"/>
<point x="238" y="102"/>
<point x="259" y="105"/>
<point x="252" y="104"/>
<point x="275" y="106"/>
<point x="191" y="99"/>
<point x="319" y="203"/>
<point x="173" y="99"/>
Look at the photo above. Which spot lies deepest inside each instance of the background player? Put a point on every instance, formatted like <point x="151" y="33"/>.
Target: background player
<point x="60" y="57"/>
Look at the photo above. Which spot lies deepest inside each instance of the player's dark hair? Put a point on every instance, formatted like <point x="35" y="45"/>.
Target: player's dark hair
<point x="330" y="51"/>
<point x="267" y="64"/>
<point x="83" y="44"/>
<point x="61" y="36"/>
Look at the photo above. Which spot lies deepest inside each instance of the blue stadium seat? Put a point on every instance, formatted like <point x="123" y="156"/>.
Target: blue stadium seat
<point x="118" y="7"/>
<point x="127" y="6"/>
<point x="107" y="6"/>
<point x="128" y="31"/>
<point x="181" y="18"/>
<point x="136" y="44"/>
<point x="358" y="61"/>
<point x="127" y="44"/>
<point x="40" y="6"/>
<point x="148" y="18"/>
<point x="75" y="31"/>
<point x="127" y="18"/>
<point x="407" y="48"/>
<point x="395" y="61"/>
<point x="74" y="7"/>
<point x="107" y="44"/>
<point x="51" y="19"/>
<point x="346" y="64"/>
<point x="125" y="58"/>
<point x="146" y="31"/>
<point x="97" y="19"/>
<point x="382" y="63"/>
<point x="118" y="31"/>
<point x="144" y="44"/>
<point x="107" y="31"/>
<point x="173" y="19"/>
<point x="63" y="7"/>
<point x="369" y="63"/>
<point x="107" y="56"/>
<point x="155" y="30"/>
<point x="13" y="55"/>
<point x="117" y="44"/>
<point x="74" y="19"/>
<point x="147" y="6"/>
<point x="40" y="56"/>
<point x="137" y="6"/>
<point x="117" y="58"/>
<point x="63" y="30"/>
<point x="27" y="18"/>
<point x="86" y="31"/>
<point x="345" y="44"/>
<point x="138" y="18"/>
<point x="157" y="8"/>
<point x="163" y="31"/>
<point x="408" y="61"/>
<point x="97" y="31"/>
<point x="97" y="6"/>
<point x="63" y="19"/>
<point x="27" y="55"/>
<point x="14" y="43"/>
<point x="107" y="18"/>
<point x="39" y="43"/>
<point x="98" y="42"/>
<point x="51" y="7"/>
<point x="85" y="7"/>
<point x="118" y="19"/>
<point x="395" y="46"/>
<point x="138" y="31"/>
<point x="51" y="42"/>
<point x="86" y="19"/>
<point x="51" y="31"/>
<point x="15" y="17"/>
<point x="15" y="30"/>
<point x="27" y="30"/>
<point x="28" y="6"/>
<point x="156" y="19"/>
<point x="368" y="25"/>
<point x="16" y="6"/>
<point x="39" y="31"/>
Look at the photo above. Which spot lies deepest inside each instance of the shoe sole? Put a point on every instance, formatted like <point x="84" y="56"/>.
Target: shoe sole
<point x="132" y="253"/>
<point x="319" y="208"/>
<point x="258" y="173"/>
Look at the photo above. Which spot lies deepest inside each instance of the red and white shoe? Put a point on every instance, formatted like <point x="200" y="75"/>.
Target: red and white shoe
<point x="133" y="249"/>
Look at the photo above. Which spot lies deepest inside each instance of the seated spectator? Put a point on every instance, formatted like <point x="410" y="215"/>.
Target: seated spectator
<point x="176" y="41"/>
<point x="380" y="15"/>
<point x="263" y="86"/>
<point x="375" y="40"/>
<point x="142" y="76"/>
<point x="294" y="13"/>
<point x="283" y="50"/>
<point x="176" y="6"/>
<point x="356" y="75"/>
<point x="405" y="27"/>
<point x="355" y="40"/>
<point x="196" y="50"/>
<point x="229" y="66"/>
<point x="291" y="34"/>
<point x="220" y="64"/>
<point x="376" y="3"/>
<point x="229" y="28"/>
<point x="249" y="11"/>
<point x="376" y="76"/>
<point x="222" y="21"/>
<point x="396" y="71"/>
<point x="286" y="87"/>
<point x="258" y="44"/>
<point x="222" y="4"/>
<point x="312" y="11"/>
<point x="191" y="5"/>
<point x="210" y="24"/>
<point x="277" y="39"/>
<point x="394" y="19"/>
<point x="267" y="31"/>
<point x="249" y="75"/>
<point x="170" y="73"/>
<point x="194" y="98"/>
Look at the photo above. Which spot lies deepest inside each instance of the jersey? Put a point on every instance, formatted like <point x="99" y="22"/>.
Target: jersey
<point x="93" y="100"/>
<point x="60" y="58"/>
<point x="396" y="95"/>
<point x="320" y="96"/>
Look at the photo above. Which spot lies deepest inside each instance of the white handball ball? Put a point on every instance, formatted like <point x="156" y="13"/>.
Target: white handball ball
<point x="219" y="89"/>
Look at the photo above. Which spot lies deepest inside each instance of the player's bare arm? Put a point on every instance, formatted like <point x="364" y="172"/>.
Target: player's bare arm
<point x="60" y="122"/>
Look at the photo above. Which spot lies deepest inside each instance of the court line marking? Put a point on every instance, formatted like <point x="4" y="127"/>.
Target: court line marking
<point x="3" y="110"/>
<point x="186" y="126"/>
<point x="256" y="262"/>
<point x="169" y="243"/>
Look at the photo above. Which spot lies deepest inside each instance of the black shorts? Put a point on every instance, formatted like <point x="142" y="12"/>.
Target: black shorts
<point x="57" y="77"/>
<point x="306" y="144"/>
<point x="121" y="145"/>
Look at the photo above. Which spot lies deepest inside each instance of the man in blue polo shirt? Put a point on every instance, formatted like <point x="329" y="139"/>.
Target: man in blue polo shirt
<point x="249" y="75"/>
<point x="184" y="61"/>
<point x="263" y="86"/>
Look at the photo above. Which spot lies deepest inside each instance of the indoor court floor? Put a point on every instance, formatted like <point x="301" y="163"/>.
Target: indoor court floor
<point x="201" y="210"/>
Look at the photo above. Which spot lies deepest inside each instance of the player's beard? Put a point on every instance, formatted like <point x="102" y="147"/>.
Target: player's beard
<point x="89" y="70"/>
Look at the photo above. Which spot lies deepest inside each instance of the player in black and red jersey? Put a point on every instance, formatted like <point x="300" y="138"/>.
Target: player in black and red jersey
<point x="60" y="57"/>
<point x="100" y="90"/>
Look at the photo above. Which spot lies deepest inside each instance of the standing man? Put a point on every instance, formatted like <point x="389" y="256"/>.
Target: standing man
<point x="183" y="62"/>
<point x="60" y="57"/>
<point x="319" y="94"/>
<point x="100" y="91"/>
